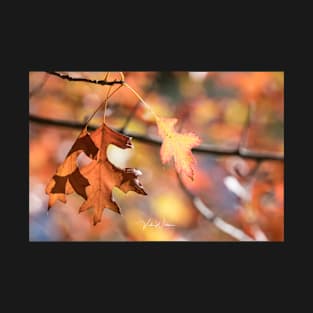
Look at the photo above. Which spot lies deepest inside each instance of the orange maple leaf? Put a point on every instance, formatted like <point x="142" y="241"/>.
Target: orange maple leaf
<point x="177" y="145"/>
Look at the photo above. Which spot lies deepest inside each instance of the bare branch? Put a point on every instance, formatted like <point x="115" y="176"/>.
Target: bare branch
<point x="87" y="80"/>
<point x="210" y="149"/>
<point x="217" y="221"/>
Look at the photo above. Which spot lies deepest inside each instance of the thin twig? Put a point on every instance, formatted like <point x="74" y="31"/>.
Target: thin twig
<point x="140" y="98"/>
<point x="213" y="150"/>
<point x="103" y="103"/>
<point x="134" y="110"/>
<point x="101" y="82"/>
<point x="106" y="102"/>
<point x="217" y="221"/>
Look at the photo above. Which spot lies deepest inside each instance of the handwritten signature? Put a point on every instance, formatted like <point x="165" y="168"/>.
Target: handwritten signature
<point x="153" y="223"/>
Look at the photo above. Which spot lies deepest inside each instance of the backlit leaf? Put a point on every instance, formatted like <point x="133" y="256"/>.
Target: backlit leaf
<point x="68" y="177"/>
<point x="103" y="176"/>
<point x="178" y="146"/>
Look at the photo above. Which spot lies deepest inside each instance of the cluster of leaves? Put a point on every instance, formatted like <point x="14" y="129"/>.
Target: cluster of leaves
<point x="95" y="181"/>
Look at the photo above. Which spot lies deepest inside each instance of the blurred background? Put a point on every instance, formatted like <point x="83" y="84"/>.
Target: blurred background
<point x="214" y="105"/>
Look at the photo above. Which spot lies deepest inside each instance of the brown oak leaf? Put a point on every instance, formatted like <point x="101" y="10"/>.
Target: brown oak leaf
<point x="102" y="175"/>
<point x="68" y="177"/>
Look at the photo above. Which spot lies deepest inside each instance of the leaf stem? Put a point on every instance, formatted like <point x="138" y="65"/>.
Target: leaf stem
<point x="122" y="76"/>
<point x="97" y="110"/>
<point x="140" y="98"/>
<point x="106" y="75"/>
<point x="106" y="98"/>
<point x="101" y="105"/>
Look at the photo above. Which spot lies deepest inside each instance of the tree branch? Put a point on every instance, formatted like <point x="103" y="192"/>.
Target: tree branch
<point x="209" y="215"/>
<point x="210" y="149"/>
<point x="87" y="80"/>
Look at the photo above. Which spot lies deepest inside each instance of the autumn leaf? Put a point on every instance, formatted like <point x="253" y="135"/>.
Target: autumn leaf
<point x="103" y="176"/>
<point x="177" y="145"/>
<point x="68" y="177"/>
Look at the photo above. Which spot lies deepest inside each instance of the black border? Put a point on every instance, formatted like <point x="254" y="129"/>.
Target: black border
<point x="178" y="257"/>
<point x="156" y="247"/>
